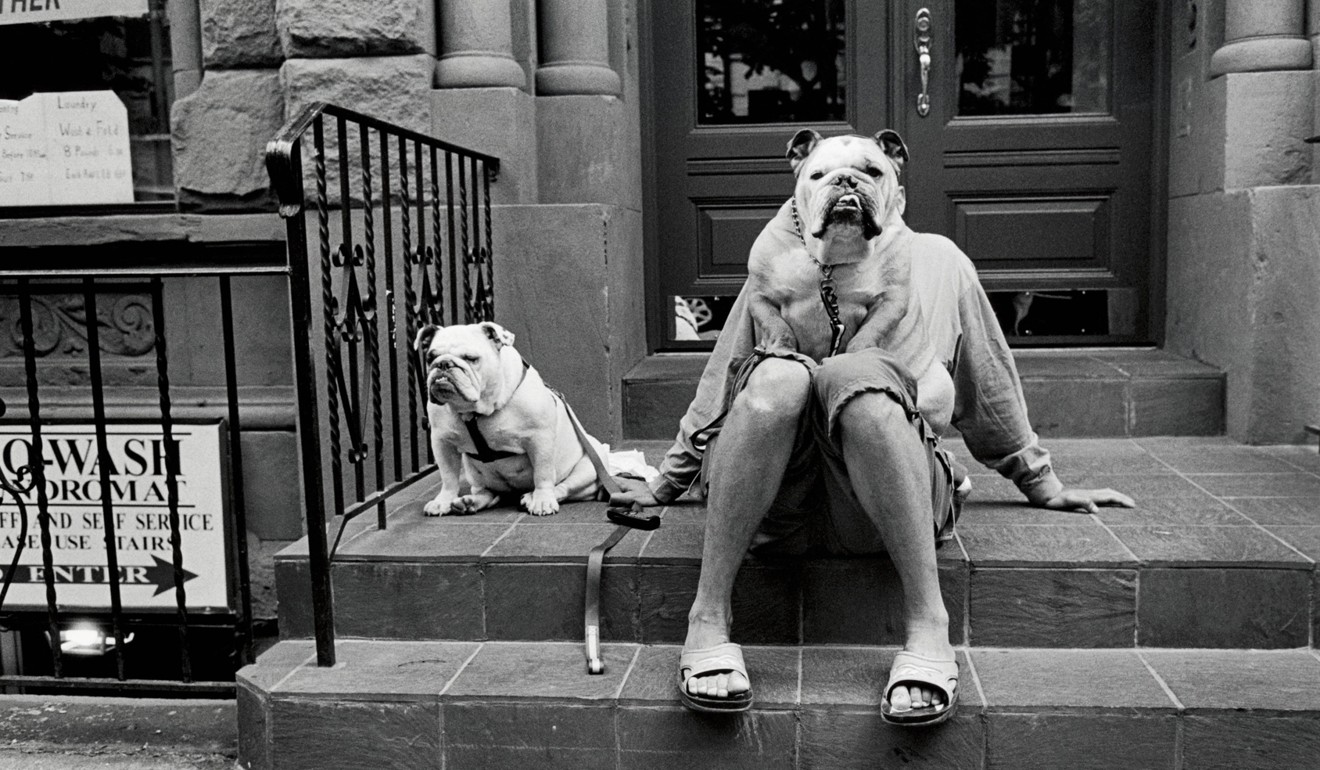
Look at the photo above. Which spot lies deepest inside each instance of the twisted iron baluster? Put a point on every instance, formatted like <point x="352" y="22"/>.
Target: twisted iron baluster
<point x="489" y="255"/>
<point x="437" y="255"/>
<point x="328" y="310"/>
<point x="369" y="315"/>
<point x="391" y="320"/>
<point x="38" y="463"/>
<point x="469" y="302"/>
<point x="409" y="301"/>
<point x="171" y="474"/>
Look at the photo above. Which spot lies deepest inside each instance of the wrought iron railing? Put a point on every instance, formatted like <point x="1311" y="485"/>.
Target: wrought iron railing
<point x="120" y="292"/>
<point x="371" y="188"/>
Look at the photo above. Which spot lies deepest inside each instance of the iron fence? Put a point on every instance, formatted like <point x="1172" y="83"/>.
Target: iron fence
<point x="372" y="187"/>
<point x="92" y="286"/>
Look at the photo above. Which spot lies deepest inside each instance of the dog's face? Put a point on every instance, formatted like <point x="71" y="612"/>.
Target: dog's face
<point x="463" y="363"/>
<point x="847" y="189"/>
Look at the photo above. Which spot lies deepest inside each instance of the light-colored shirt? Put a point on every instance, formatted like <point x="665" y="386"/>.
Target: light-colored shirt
<point x="968" y="377"/>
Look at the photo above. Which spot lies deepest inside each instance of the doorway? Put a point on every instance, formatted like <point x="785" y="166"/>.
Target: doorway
<point x="1029" y="123"/>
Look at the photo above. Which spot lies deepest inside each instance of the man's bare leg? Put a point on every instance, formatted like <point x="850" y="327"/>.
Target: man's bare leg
<point x="890" y="473"/>
<point x="753" y="451"/>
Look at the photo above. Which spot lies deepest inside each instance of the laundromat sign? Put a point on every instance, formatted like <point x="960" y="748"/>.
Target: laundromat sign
<point x="138" y="491"/>
<point x="30" y="11"/>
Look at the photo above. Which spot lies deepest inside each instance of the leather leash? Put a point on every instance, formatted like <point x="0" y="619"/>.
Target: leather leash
<point x="627" y="519"/>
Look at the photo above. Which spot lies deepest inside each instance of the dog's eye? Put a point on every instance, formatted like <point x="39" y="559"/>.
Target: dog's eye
<point x="817" y="174"/>
<point x="875" y="172"/>
<point x="471" y="358"/>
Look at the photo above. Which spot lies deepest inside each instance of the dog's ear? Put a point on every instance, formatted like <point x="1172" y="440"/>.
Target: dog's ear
<point x="498" y="335"/>
<point x="800" y="146"/>
<point x="424" y="336"/>
<point x="893" y="145"/>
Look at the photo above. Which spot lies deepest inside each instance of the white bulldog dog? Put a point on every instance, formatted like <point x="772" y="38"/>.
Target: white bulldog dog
<point x="844" y="227"/>
<point x="495" y="426"/>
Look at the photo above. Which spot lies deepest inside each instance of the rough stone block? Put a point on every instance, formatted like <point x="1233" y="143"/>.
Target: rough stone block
<point x="544" y="601"/>
<point x="1080" y="741"/>
<point x="391" y="88"/>
<point x="220" y="132"/>
<point x="1076" y="408"/>
<point x="319" y="734"/>
<point x="861" y="740"/>
<point x="408" y="601"/>
<point x="1252" y="608"/>
<point x="1053" y="608"/>
<point x="497" y="121"/>
<point x="342" y="28"/>
<point x="1268" y="115"/>
<point x="239" y="34"/>
<point x="583" y="152"/>
<point x="1234" y="740"/>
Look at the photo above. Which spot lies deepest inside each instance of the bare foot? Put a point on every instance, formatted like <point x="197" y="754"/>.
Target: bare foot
<point x="702" y="635"/>
<point x="932" y="642"/>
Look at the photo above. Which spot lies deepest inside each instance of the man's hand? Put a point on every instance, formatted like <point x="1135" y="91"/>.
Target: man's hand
<point x="1087" y="500"/>
<point x="634" y="491"/>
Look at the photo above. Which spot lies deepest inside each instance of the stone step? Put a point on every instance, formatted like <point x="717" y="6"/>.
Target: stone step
<point x="517" y="704"/>
<point x="1070" y="393"/>
<point x="1220" y="553"/>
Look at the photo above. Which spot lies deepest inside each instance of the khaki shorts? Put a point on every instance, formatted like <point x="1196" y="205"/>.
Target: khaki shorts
<point x="816" y="510"/>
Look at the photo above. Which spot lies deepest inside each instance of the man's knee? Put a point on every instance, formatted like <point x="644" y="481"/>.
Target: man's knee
<point x="875" y="413"/>
<point x="776" y="388"/>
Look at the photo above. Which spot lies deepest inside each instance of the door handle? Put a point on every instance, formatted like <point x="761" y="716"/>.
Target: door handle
<point x="921" y="41"/>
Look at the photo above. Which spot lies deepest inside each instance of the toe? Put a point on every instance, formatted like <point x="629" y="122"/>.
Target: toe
<point x="899" y="700"/>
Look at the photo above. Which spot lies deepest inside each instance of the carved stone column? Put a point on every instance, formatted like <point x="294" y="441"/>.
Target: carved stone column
<point x="477" y="42"/>
<point x="1263" y="36"/>
<point x="575" y="49"/>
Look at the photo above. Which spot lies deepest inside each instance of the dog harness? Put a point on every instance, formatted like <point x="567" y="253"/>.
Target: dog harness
<point x="484" y="453"/>
<point x="827" y="294"/>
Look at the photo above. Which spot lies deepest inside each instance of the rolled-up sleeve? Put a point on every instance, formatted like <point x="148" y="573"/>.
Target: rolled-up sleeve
<point x="989" y="409"/>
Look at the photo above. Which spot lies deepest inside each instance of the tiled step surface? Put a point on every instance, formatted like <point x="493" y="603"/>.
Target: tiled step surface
<point x="1220" y="553"/>
<point x="1070" y="393"/>
<point x="517" y="704"/>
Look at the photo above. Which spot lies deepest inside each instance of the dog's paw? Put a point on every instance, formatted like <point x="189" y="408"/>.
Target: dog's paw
<point x="470" y="504"/>
<point x="441" y="505"/>
<point x="540" y="502"/>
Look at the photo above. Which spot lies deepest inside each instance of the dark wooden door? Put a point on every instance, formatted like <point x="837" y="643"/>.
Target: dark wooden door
<point x="1034" y="154"/>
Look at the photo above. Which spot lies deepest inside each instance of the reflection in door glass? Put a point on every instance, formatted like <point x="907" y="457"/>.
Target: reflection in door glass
<point x="1032" y="57"/>
<point x="780" y="61"/>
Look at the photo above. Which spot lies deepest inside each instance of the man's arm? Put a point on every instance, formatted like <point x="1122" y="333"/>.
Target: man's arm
<point x="991" y="413"/>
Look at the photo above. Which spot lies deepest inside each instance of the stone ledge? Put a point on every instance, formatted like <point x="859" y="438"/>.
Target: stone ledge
<point x="199" y="229"/>
<point x="42" y="721"/>
<point x="1070" y="392"/>
<point x="815" y="706"/>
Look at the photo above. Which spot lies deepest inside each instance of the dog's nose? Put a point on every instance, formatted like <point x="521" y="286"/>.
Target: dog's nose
<point x="846" y="180"/>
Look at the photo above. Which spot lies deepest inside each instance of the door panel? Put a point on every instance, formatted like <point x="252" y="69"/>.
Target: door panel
<point x="725" y="109"/>
<point x="1034" y="156"/>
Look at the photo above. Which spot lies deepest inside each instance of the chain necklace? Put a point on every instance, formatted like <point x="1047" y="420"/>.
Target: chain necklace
<point x="827" y="293"/>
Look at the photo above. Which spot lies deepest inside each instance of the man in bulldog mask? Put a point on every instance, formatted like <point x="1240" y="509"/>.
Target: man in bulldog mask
<point x="815" y="426"/>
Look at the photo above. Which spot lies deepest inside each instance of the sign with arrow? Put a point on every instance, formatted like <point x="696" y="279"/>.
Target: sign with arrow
<point x="141" y="530"/>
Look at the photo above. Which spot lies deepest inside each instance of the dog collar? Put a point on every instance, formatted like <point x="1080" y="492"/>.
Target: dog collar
<point x="827" y="293"/>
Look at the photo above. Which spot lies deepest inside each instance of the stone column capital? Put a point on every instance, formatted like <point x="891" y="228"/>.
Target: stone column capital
<point x="1263" y="36"/>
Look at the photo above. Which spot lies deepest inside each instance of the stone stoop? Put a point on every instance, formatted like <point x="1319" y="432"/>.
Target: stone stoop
<point x="531" y="704"/>
<point x="1071" y="393"/>
<point x="1179" y="634"/>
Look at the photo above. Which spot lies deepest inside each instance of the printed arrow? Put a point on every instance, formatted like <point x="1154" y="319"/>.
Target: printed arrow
<point x="160" y="575"/>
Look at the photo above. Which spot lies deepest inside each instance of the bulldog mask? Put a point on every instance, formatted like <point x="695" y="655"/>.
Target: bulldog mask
<point x="836" y="232"/>
<point x="495" y="427"/>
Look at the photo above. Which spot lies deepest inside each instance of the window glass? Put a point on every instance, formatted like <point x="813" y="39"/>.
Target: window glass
<point x="1033" y="57"/>
<point x="770" y="62"/>
<point x="127" y="55"/>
